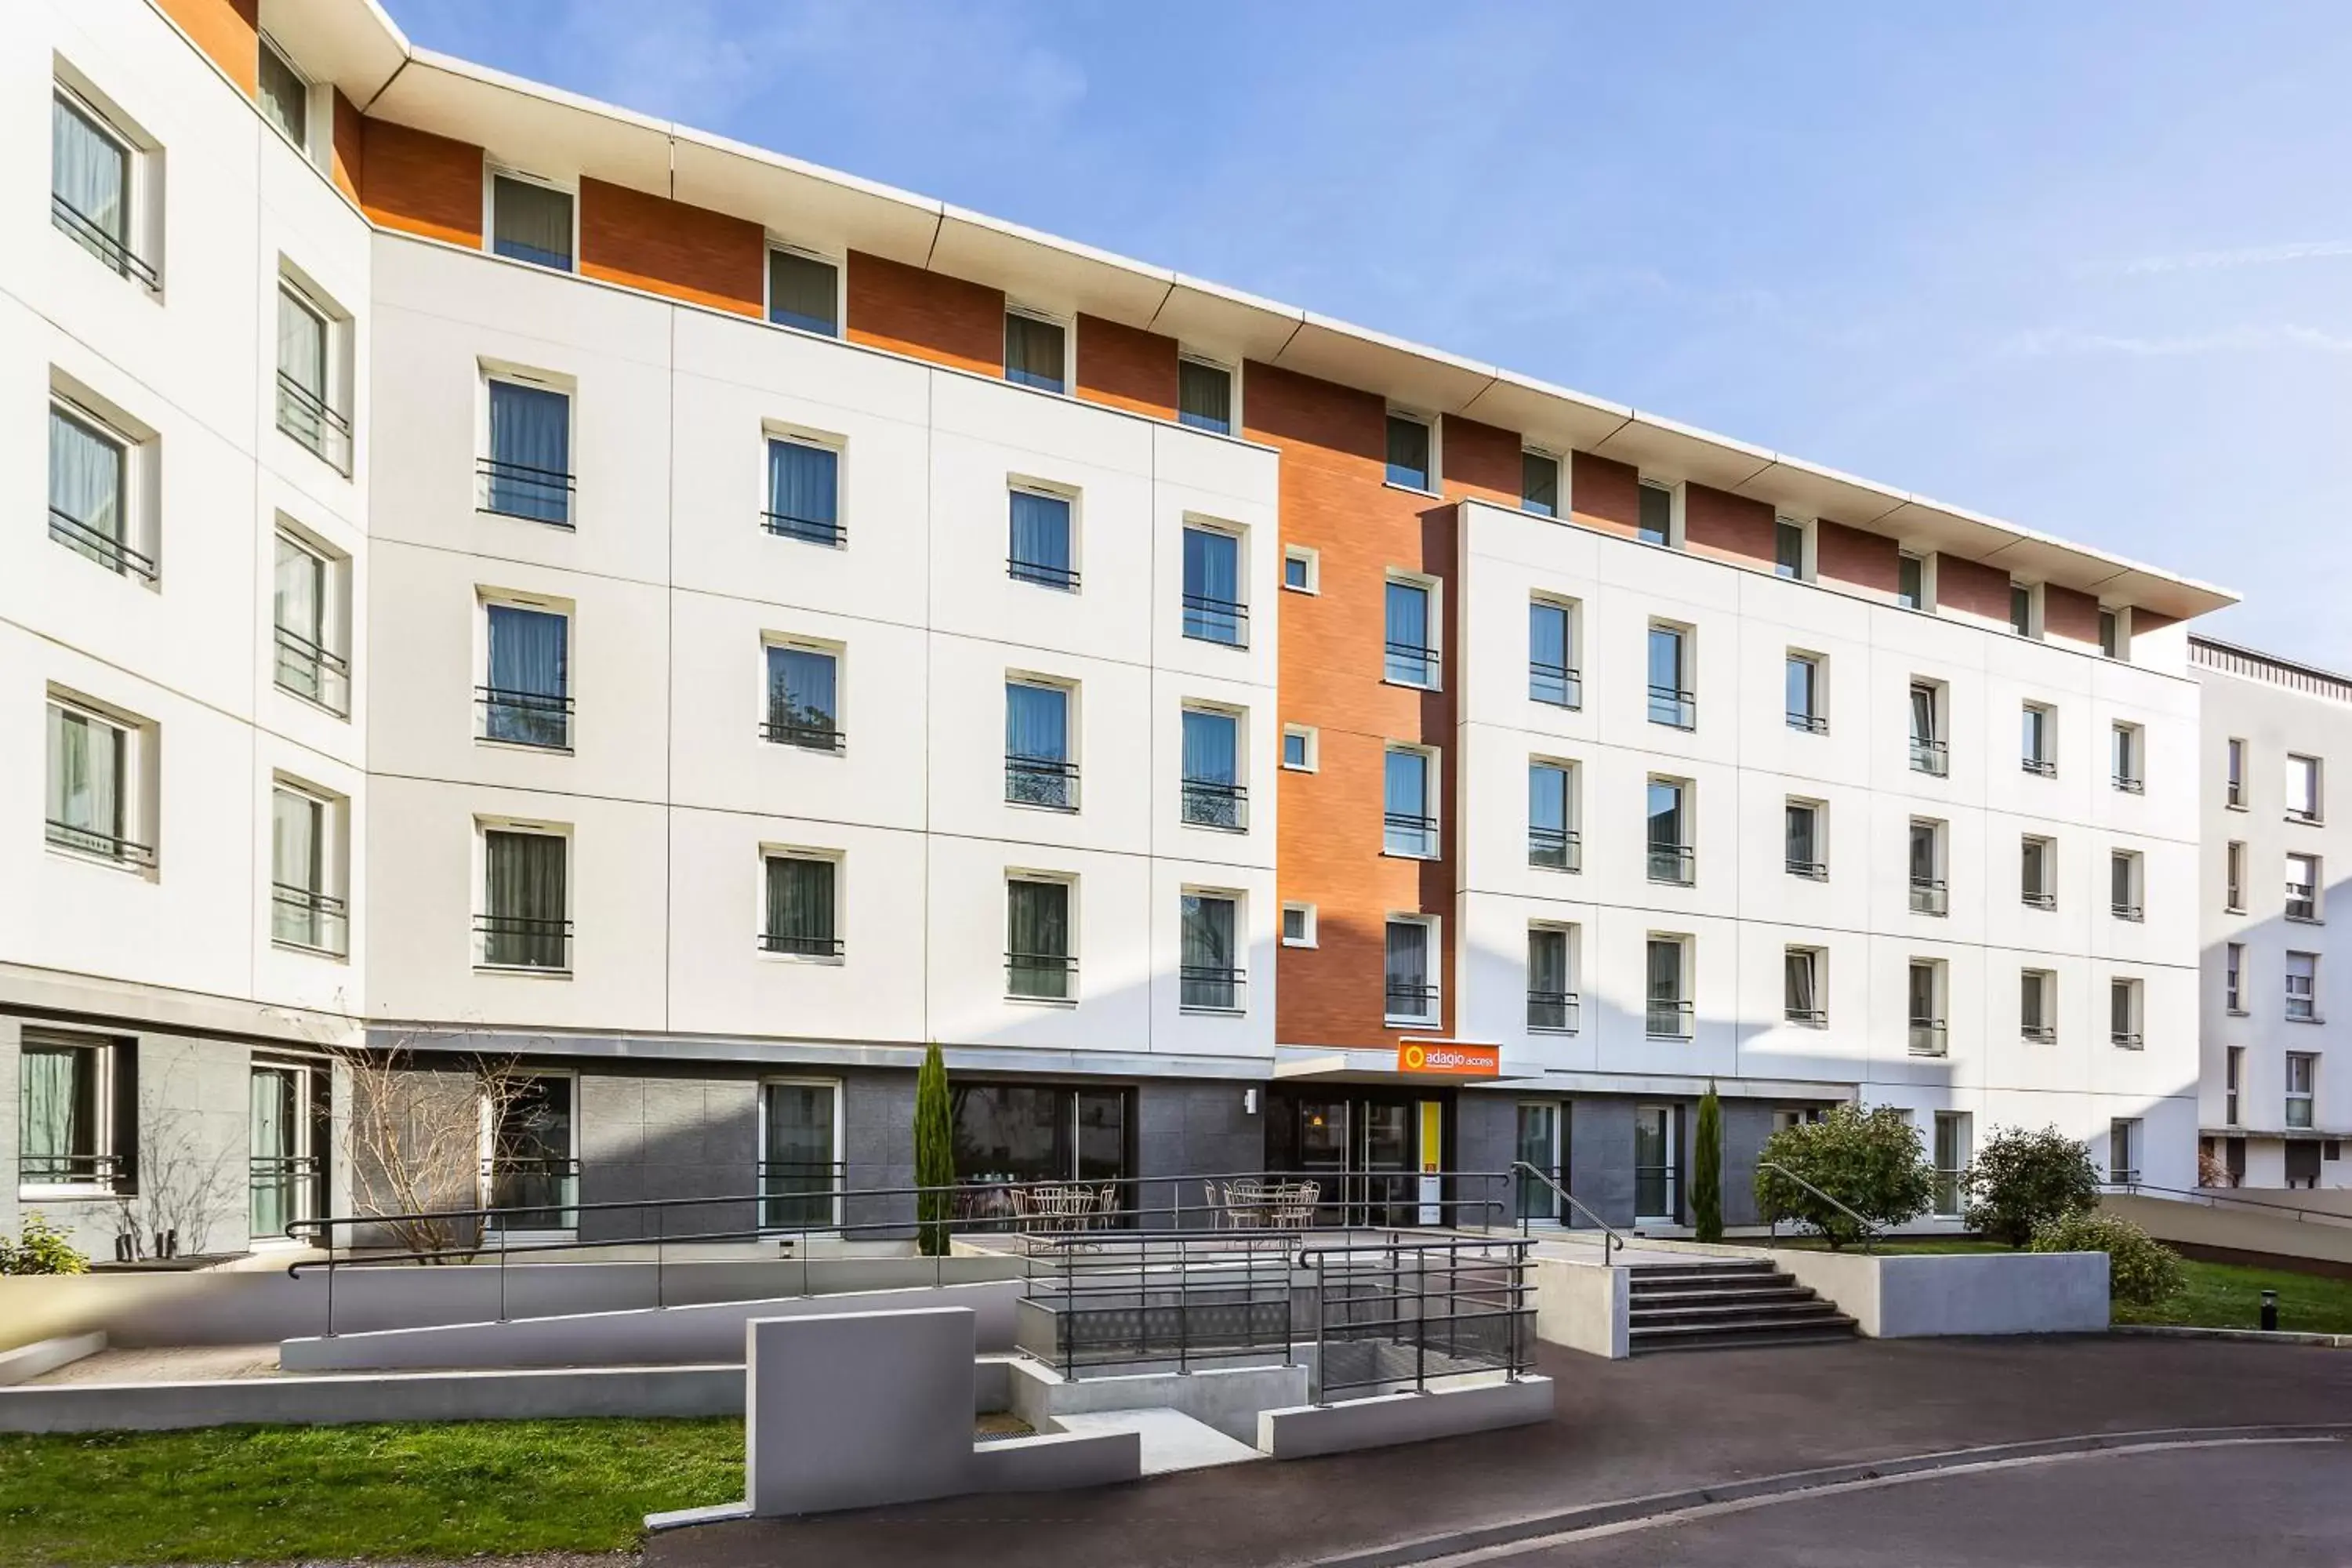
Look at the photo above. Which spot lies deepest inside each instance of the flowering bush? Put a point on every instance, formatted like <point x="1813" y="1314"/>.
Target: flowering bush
<point x="42" y="1249"/>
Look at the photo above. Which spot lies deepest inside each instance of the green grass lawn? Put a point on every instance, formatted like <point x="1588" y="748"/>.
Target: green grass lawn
<point x="274" y="1494"/>
<point x="2229" y="1296"/>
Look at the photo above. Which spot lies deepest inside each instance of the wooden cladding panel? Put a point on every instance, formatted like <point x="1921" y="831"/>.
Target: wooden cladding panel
<point x="926" y="315"/>
<point x="227" y="31"/>
<point x="671" y="248"/>
<point x="421" y="184"/>
<point x="1126" y="367"/>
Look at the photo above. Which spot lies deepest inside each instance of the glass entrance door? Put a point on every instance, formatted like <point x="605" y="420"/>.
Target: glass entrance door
<point x="798" y="1169"/>
<point x="533" y="1172"/>
<point x="1386" y="1183"/>
<point x="1655" y="1195"/>
<point x="281" y="1181"/>
<point x="1539" y="1145"/>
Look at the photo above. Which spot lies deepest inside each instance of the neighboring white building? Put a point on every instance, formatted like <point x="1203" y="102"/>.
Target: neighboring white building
<point x="2272" y="1114"/>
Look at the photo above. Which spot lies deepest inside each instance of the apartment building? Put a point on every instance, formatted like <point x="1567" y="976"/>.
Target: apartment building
<point x="2269" y="1114"/>
<point x="533" y="585"/>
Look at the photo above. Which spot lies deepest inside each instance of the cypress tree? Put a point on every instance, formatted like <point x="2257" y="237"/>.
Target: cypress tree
<point x="1707" y="1170"/>
<point x="934" y="1154"/>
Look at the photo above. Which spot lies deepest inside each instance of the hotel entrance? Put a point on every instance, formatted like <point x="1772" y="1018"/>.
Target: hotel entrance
<point x="1375" y="1152"/>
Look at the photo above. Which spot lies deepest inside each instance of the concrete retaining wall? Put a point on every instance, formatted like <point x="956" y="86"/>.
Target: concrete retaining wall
<point x="1584" y="1306"/>
<point x="27" y="1361"/>
<point x="1229" y="1398"/>
<point x="244" y="1306"/>
<point x="402" y="1396"/>
<point x="1916" y="1295"/>
<point x="2240" y="1227"/>
<point x="712" y="1333"/>
<point x="1375" y="1422"/>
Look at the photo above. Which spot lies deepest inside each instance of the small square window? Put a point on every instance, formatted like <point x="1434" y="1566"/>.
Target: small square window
<point x="284" y="96"/>
<point x="1298" y="925"/>
<point x="1033" y="352"/>
<point x="1298" y="748"/>
<point x="1205" y="396"/>
<point x="1409" y="460"/>
<point x="804" y="292"/>
<point x="1300" y="570"/>
<point x="531" y="222"/>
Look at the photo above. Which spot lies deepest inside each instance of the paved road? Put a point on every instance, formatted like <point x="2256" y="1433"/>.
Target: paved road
<point x="1622" y="1429"/>
<point x="2241" y="1505"/>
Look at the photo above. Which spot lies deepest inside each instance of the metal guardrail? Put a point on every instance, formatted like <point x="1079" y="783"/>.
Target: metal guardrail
<point x="1870" y="1233"/>
<point x="1459" y="1304"/>
<point x="1611" y="1237"/>
<point x="2212" y="1198"/>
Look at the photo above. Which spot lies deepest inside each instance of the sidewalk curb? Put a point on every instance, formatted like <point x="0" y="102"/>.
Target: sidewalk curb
<point x="1625" y="1510"/>
<point x="2244" y="1336"/>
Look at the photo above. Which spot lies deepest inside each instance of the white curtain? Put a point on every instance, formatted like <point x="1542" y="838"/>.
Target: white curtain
<point x="55" y="1121"/>
<point x="296" y="599"/>
<point x="1800" y="982"/>
<point x="302" y="344"/>
<point x="87" y="172"/>
<point x="85" y="774"/>
<point x="85" y="477"/>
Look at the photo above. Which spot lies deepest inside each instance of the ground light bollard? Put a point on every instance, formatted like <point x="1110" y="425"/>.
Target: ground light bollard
<point x="2270" y="1312"/>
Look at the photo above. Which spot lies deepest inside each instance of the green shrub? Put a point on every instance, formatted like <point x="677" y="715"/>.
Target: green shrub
<point x="1707" y="1170"/>
<point x="43" y="1249"/>
<point x="2141" y="1270"/>
<point x="934" y="1154"/>
<point x="2022" y="1180"/>
<point x="1868" y="1160"/>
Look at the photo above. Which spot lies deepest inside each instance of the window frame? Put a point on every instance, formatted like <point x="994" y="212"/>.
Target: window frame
<point x="1816" y="960"/>
<point x="1073" y="741"/>
<point x="2314" y="912"/>
<point x="1931" y="754"/>
<point x="1920" y="564"/>
<point x="328" y="902"/>
<point x="1683" y="1003"/>
<point x="1235" y="611"/>
<point x="492" y="173"/>
<point x="492" y="373"/>
<point x="2042" y="759"/>
<point x="1236" y="789"/>
<point x="137" y="544"/>
<point x="306" y="144"/>
<point x="1038" y="574"/>
<point x="1674" y="494"/>
<point x="2133" y="865"/>
<point x="1808" y="566"/>
<point x="830" y="741"/>
<point x="1431" y="655"/>
<point x="1559" y="510"/>
<point x="1433" y="463"/>
<point x="809" y="531"/>
<point x="337" y="437"/>
<point x="1433" y="971"/>
<point x="1311" y="759"/>
<point x="1570" y="833"/>
<point x="1232" y="375"/>
<point x="329" y="652"/>
<point x="2025" y="615"/>
<point x="2127" y="757"/>
<point x="1068" y="883"/>
<point x="2309" y="997"/>
<point x="135" y="742"/>
<point x="1931" y="895"/>
<point x="1929" y="1035"/>
<point x="1306" y="938"/>
<point x="2308" y="1095"/>
<point x="765" y="932"/>
<point x="2314" y="770"/>
<point x="1568" y="1000"/>
<point x="839" y="264"/>
<point x="2129" y="991"/>
<point x="2233" y="979"/>
<point x="1432" y="819"/>
<point x="1066" y="325"/>
<point x="1817" y="869"/>
<point x="1570" y="674"/>
<point x="1814" y="720"/>
<point x="1681" y="702"/>
<point x="760" y="1162"/>
<point x="567" y="702"/>
<point x="2234" y="773"/>
<point x="2234" y="876"/>
<point x="140" y="242"/>
<point x="2041" y="848"/>
<point x="484" y="825"/>
<point x="2042" y="1030"/>
<point x="1236" y="978"/>
<point x="1681" y="858"/>
<point x="109" y="1123"/>
<point x="1309" y="557"/>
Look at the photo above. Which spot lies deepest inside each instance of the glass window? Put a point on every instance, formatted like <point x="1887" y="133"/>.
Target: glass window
<point x="2233" y="1076"/>
<point x="2111" y="634"/>
<point x="1928" y="750"/>
<point x="528" y="473"/>
<point x="1213" y="611"/>
<point x="2303" y="987"/>
<point x="300" y="597"/>
<point x="2233" y="875"/>
<point x="2123" y="1014"/>
<point x="1669" y="1011"/>
<point x="1804" y="694"/>
<point x="284" y="96"/>
<point x="531" y="222"/>
<point x="1551" y="1000"/>
<point x="526" y="701"/>
<point x="1033" y="353"/>
<point x="2033" y="1004"/>
<point x="1411" y="827"/>
<point x="1205" y="396"/>
<point x="1551" y="675"/>
<point x="1655" y="521"/>
<point x="2034" y="861"/>
<point x="1539" y="483"/>
<point x="1038" y="954"/>
<point x="2126" y="758"/>
<point x="88" y="805"/>
<point x="62" y="1126"/>
<point x="1951" y="1162"/>
<point x="1040" y="552"/>
<point x="1214" y="796"/>
<point x="1925" y="991"/>
<point x="87" y="493"/>
<point x="1671" y="859"/>
<point x="1412" y="993"/>
<point x="303" y="913"/>
<point x="1408" y="453"/>
<point x="1910" y="582"/>
<point x="1298" y="925"/>
<point x="1672" y="703"/>
<point x="2021" y="609"/>
<point x="286" y="1147"/>
<point x="2123" y="885"/>
<point x="1551" y="843"/>
<point x="1411" y="656"/>
<point x="2233" y="968"/>
<point x="525" y="922"/>
<point x="801" y="906"/>
<point x="534" y="1172"/>
<point x="1007" y="1132"/>
<point x="1209" y="974"/>
<point x="2302" y="788"/>
<point x="1804" y="855"/>
<point x="804" y="292"/>
<point x="1788" y="549"/>
<point x="804" y="491"/>
<point x="1929" y="895"/>
<point x="2302" y="1074"/>
<point x="2034" y="741"/>
<point x="1038" y="767"/>
<point x="1802" y="998"/>
<point x="1298" y="748"/>
<point x="2123" y="1152"/>
<point x="304" y="410"/>
<point x="1298" y="571"/>
<point x="2236" y="779"/>
<point x="2303" y="887"/>
<point x="802" y="707"/>
<point x="90" y="186"/>
<point x="799" y="1156"/>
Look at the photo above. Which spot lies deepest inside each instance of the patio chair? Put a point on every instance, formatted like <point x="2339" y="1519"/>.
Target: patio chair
<point x="1106" y="1213"/>
<point x="1292" y="1206"/>
<point x="1246" y="1203"/>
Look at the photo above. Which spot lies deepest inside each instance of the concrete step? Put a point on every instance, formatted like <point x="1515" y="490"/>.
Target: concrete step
<point x="1805" y="1309"/>
<point x="1667" y="1298"/>
<point x="1698" y="1263"/>
<point x="1731" y="1339"/>
<point x="1748" y="1331"/>
<point x="1641" y="1286"/>
<point x="1172" y="1439"/>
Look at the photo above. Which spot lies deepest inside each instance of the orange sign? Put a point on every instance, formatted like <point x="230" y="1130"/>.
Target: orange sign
<point x="1446" y="1060"/>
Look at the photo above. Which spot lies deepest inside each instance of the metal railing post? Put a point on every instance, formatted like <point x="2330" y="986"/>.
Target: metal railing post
<point x="661" y="1251"/>
<point x="502" y="1274"/>
<point x="330" y="1281"/>
<point x="1421" y="1323"/>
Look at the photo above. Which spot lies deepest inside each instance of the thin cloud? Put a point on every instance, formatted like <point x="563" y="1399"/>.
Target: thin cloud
<point x="2247" y="255"/>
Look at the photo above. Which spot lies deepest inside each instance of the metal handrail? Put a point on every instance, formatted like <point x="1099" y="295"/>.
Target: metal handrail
<point x="1611" y="1237"/>
<point x="1870" y="1233"/>
<point x="2205" y="1196"/>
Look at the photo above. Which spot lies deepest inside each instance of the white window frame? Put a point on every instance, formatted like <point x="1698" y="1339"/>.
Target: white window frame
<point x="514" y="599"/>
<point x="1685" y="982"/>
<point x="2234" y="978"/>
<point x="840" y="1135"/>
<point x="1571" y="942"/>
<point x="489" y="1132"/>
<point x="103" y="1143"/>
<point x="1807" y="549"/>
<point x="565" y="386"/>
<point x="2048" y="886"/>
<point x="2234" y="773"/>
<point x="1925" y="603"/>
<point x="1431" y="789"/>
<point x="493" y="172"/>
<point x="2318" y="773"/>
<point x="2135" y="866"/>
<point x="1677" y="498"/>
<point x="1307" y="933"/>
<point x="1070" y="496"/>
<point x="1561" y="463"/>
<point x="1436" y="972"/>
<point x="1239" y="898"/>
<point x="1432" y="423"/>
<point x="143" y="531"/>
<point x="1073" y="733"/>
<point x="1312" y="737"/>
<point x="479" y="899"/>
<point x="312" y="143"/>
<point x="1931" y="1035"/>
<point x="138" y="741"/>
<point x="1434" y="588"/>
<point x="2048" y="757"/>
<point x="1571" y="612"/>
<point x="2034" y="626"/>
<point x="1571" y="787"/>
<point x="840" y="265"/>
<point x="2234" y="876"/>
<point x="2308" y="1094"/>
<point x="792" y="642"/>
<point x="1313" y="561"/>
<point x="1819" y="958"/>
<point x="1820" y="811"/>
<point x="2045" y="983"/>
<point x="1069" y="325"/>
<point x="334" y="861"/>
<point x="1071" y="959"/>
<point x="334" y="611"/>
<point x="1233" y="390"/>
<point x="141" y="171"/>
<point x="2135" y="1035"/>
<point x="2131" y="740"/>
<point x="2311" y="1015"/>
<point x="839" y="860"/>
<point x="2316" y="894"/>
<point x="772" y="430"/>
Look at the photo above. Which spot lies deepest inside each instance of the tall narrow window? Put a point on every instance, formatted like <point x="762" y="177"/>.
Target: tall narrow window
<point x="88" y="510"/>
<point x="2303" y="887"/>
<point x="90" y="186"/>
<point x="2123" y="1152"/>
<point x="804" y="292"/>
<point x="1671" y="858"/>
<point x="1033" y="352"/>
<point x="1672" y="702"/>
<point x="308" y="664"/>
<point x="2234" y="782"/>
<point x="1214" y="793"/>
<point x="2111" y="634"/>
<point x="2303" y="987"/>
<point x="2021" y="609"/>
<point x="1213" y="611"/>
<point x="65" y="1118"/>
<point x="1803" y="1000"/>
<point x="1929" y="754"/>
<point x="2302" y="1077"/>
<point x="1205" y="396"/>
<point x="534" y="1158"/>
<point x="1040" y="552"/>
<point x="1209" y="975"/>
<point x="2234" y="972"/>
<point x="1411" y="988"/>
<point x="287" y="1161"/>
<point x="2123" y="1015"/>
<point x="804" y="491"/>
<point x="1951" y="1163"/>
<point x="1929" y="894"/>
<point x="799" y="1172"/>
<point x="2036" y="1012"/>
<point x="2303" y="789"/>
<point x="2035" y="753"/>
<point x="1409" y="826"/>
<point x="2124" y="895"/>
<point x="303" y="911"/>
<point x="1654" y="517"/>
<point x="2233" y="1080"/>
<point x="89" y="806"/>
<point x="804" y="704"/>
<point x="2037" y="859"/>
<point x="306" y="408"/>
<point x="1551" y="841"/>
<point x="526" y="701"/>
<point x="2128" y="777"/>
<point x="1804" y="854"/>
<point x="1910" y="581"/>
<point x="1552" y="675"/>
<point x="1668" y="1012"/>
<point x="531" y="222"/>
<point x="1039" y="769"/>
<point x="1039" y="960"/>
<point x="1408" y="453"/>
<point x="284" y="96"/>
<point x="1410" y="651"/>
<point x="1539" y="484"/>
<point x="1789" y="550"/>
<point x="1803" y="681"/>
<point x="1925" y="993"/>
<point x="525" y="922"/>
<point x="528" y="472"/>
<point x="1551" y="998"/>
<point x="2234" y="876"/>
<point x="802" y="909"/>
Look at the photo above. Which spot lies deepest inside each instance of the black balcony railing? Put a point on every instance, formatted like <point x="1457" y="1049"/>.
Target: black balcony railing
<point x="2041" y="767"/>
<point x="1050" y="975"/>
<point x="2040" y="1034"/>
<point x="1555" y="848"/>
<point x="805" y="945"/>
<point x="1562" y="685"/>
<point x="1213" y="803"/>
<point x="525" y="490"/>
<point x="1929" y="757"/>
<point x="1411" y="999"/>
<point x="1811" y="723"/>
<point x="2130" y="783"/>
<point x="525" y="717"/>
<point x="313" y="673"/>
<point x="823" y="531"/>
<point x="1927" y="1036"/>
<point x="94" y="237"/>
<point x="1402" y="833"/>
<point x="307" y="417"/>
<point x="2126" y="908"/>
<point x="284" y="1188"/>
<point x="1811" y="871"/>
<point x="99" y="546"/>
<point x="104" y="846"/>
<point x="1049" y="781"/>
<point x="1044" y="575"/>
<point x="1557" y="1011"/>
<point x="1409" y="664"/>
<point x="801" y="1194"/>
<point x="807" y="733"/>
<point x="1809" y="1017"/>
<point x="2040" y="899"/>
<point x="524" y="941"/>
<point x="2125" y="1039"/>
<point x="109" y="1173"/>
<point x="1210" y="619"/>
<point x="1667" y="1020"/>
<point x="533" y="1192"/>
<point x="2302" y="901"/>
<point x="304" y="917"/>
<point x="1929" y="896"/>
<point x="1673" y="706"/>
<point x="1673" y="863"/>
<point x="1209" y="989"/>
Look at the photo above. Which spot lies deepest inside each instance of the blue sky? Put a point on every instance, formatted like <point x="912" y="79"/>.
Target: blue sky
<point x="2088" y="267"/>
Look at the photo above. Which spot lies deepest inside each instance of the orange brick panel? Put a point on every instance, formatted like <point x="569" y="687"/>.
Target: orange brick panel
<point x="926" y="314"/>
<point x="1971" y="585"/>
<point x="2066" y="613"/>
<point x="1481" y="462"/>
<point x="1844" y="554"/>
<point x="421" y="184"/>
<point x="349" y="147"/>
<point x="227" y="31"/>
<point x="1726" y="526"/>
<point x="1605" y="494"/>
<point x="671" y="248"/>
<point x="2149" y="621"/>
<point x="1126" y="367"/>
